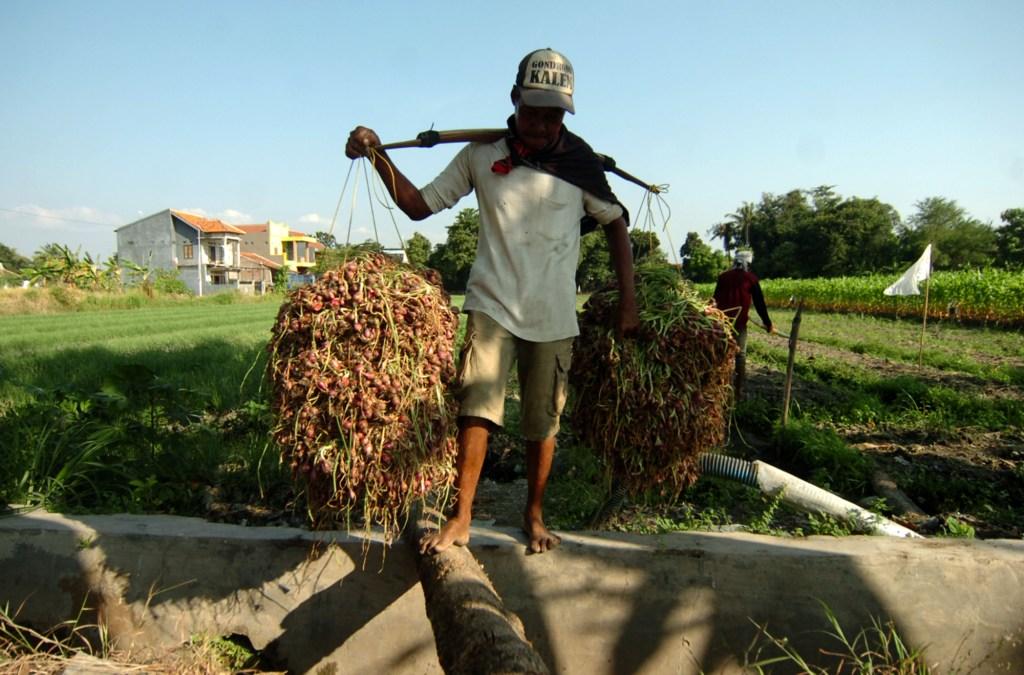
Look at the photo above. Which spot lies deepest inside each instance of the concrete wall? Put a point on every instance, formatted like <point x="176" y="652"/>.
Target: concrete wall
<point x="158" y="242"/>
<point x="188" y="267"/>
<point x="151" y="236"/>
<point x="683" y="603"/>
<point x="257" y="242"/>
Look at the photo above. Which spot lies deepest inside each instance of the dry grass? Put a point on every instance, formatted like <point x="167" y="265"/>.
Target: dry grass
<point x="26" y="651"/>
<point x="61" y="298"/>
<point x="174" y="664"/>
<point x="27" y="301"/>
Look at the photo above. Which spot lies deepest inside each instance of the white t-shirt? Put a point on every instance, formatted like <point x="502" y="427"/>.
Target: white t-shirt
<point x="524" y="273"/>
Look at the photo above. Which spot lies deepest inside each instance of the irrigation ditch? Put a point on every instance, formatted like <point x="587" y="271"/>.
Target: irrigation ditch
<point x="688" y="602"/>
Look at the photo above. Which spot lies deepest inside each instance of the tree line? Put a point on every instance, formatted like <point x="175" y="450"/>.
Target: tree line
<point x="57" y="264"/>
<point x="818" y="233"/>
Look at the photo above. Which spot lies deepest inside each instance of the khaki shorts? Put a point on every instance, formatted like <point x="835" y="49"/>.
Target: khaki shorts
<point x="488" y="353"/>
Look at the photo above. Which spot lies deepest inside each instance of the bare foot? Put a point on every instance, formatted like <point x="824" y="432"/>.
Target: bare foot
<point x="454" y="532"/>
<point x="541" y="538"/>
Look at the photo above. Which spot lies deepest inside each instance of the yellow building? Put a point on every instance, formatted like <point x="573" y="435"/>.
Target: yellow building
<point x="292" y="249"/>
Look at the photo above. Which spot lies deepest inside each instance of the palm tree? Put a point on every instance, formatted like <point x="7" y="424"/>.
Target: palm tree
<point x="741" y="220"/>
<point x="725" y="231"/>
<point x="68" y="265"/>
<point x="88" y="273"/>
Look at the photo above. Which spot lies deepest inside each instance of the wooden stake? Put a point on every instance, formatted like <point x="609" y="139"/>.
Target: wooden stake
<point x="793" y="332"/>
<point x="924" y="323"/>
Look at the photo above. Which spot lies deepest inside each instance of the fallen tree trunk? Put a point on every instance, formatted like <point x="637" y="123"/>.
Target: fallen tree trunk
<point x="473" y="631"/>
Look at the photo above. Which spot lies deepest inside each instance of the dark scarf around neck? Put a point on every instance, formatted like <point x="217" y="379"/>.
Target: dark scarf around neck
<point x="571" y="159"/>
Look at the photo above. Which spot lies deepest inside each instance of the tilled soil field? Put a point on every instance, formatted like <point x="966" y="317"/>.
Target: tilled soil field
<point x="925" y="459"/>
<point x="962" y="473"/>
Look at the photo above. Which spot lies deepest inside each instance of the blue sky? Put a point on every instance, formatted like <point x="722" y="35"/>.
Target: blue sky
<point x="239" y="110"/>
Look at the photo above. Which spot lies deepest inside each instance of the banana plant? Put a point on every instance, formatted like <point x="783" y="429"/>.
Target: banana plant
<point x="112" y="272"/>
<point x="141" y="272"/>
<point x="41" y="273"/>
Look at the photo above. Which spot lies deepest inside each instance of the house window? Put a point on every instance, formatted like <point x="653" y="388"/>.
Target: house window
<point x="186" y="251"/>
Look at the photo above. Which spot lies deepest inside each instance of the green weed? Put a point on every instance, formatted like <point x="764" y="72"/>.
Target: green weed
<point x="875" y="649"/>
<point x="578" y="490"/>
<point x="824" y="457"/>
<point x="757" y="414"/>
<point x="762" y="524"/>
<point x="228" y="653"/>
<point x="954" y="527"/>
<point x="139" y="444"/>
<point x="996" y="498"/>
<point x="828" y="525"/>
<point x="988" y="353"/>
<point x="710" y="504"/>
<point x="858" y="396"/>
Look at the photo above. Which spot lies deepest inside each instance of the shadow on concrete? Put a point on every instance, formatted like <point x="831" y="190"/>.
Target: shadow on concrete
<point x="70" y="599"/>
<point x="162" y="579"/>
<point x="325" y="621"/>
<point x="690" y="609"/>
<point x="671" y="603"/>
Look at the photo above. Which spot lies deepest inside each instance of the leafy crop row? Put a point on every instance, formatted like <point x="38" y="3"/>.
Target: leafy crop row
<point x="987" y="296"/>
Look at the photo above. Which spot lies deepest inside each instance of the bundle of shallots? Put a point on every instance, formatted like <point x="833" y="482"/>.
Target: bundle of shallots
<point x="360" y="362"/>
<point x="651" y="403"/>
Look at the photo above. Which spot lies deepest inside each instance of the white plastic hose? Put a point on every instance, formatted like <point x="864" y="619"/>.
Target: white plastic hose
<point x="811" y="497"/>
<point x="774" y="481"/>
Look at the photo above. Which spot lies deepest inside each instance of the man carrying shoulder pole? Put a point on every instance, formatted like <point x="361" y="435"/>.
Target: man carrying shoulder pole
<point x="539" y="188"/>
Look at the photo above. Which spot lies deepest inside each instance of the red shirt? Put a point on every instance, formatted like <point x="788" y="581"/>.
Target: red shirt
<point x="733" y="293"/>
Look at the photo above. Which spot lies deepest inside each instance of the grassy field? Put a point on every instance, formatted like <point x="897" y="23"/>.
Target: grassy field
<point x="207" y="347"/>
<point x="159" y="408"/>
<point x="989" y="353"/>
<point x="948" y="429"/>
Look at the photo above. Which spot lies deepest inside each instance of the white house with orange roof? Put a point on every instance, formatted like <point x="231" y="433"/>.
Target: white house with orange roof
<point x="206" y="252"/>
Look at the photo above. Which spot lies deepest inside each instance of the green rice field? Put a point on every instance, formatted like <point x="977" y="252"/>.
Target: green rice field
<point x="207" y="347"/>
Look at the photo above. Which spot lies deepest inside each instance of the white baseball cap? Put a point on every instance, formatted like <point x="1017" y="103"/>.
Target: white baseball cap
<point x="545" y="80"/>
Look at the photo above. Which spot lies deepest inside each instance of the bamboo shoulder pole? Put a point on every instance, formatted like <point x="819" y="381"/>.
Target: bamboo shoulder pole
<point x="793" y="332"/>
<point x="430" y="138"/>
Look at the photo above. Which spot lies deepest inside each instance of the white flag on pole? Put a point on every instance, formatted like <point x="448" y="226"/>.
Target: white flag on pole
<point x="919" y="271"/>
